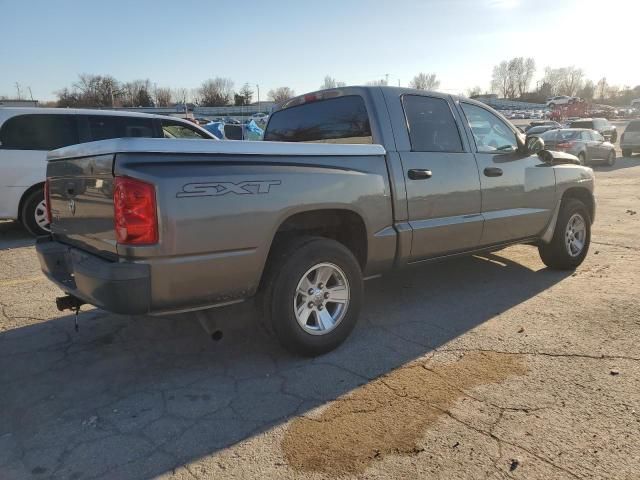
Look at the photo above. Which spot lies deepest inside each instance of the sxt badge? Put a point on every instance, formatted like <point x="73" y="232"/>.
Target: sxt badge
<point x="216" y="189"/>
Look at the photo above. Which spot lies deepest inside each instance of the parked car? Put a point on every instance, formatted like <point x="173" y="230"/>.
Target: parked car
<point x="561" y="100"/>
<point x="539" y="123"/>
<point x="301" y="224"/>
<point x="600" y="125"/>
<point x="587" y="145"/>
<point x="260" y="117"/>
<point x="538" y="130"/>
<point x="630" y="139"/>
<point x="26" y="134"/>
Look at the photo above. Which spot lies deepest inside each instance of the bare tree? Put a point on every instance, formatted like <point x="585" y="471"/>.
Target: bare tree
<point x="601" y="87"/>
<point x="500" y="81"/>
<point x="246" y="93"/>
<point x="425" y="81"/>
<point x="281" y="94"/>
<point x="330" y="82"/>
<point x="565" y="80"/>
<point x="162" y="97"/>
<point x="216" y="92"/>
<point x="378" y="83"/>
<point x="474" y="92"/>
<point x="137" y="94"/>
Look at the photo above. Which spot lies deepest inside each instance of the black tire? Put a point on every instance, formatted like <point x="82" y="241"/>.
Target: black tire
<point x="627" y="153"/>
<point x="611" y="159"/>
<point x="555" y="254"/>
<point x="31" y="207"/>
<point x="287" y="265"/>
<point x="583" y="158"/>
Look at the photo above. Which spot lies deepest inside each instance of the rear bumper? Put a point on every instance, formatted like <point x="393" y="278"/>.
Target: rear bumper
<point x="116" y="287"/>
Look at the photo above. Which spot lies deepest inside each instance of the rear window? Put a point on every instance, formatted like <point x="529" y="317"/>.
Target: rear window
<point x="336" y="120"/>
<point x="633" y="127"/>
<point x="105" y="127"/>
<point x="582" y="124"/>
<point x="561" y="135"/>
<point x="39" y="132"/>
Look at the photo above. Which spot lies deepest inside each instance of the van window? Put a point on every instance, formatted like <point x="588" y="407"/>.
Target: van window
<point x="173" y="129"/>
<point x="39" y="132"/>
<point x="104" y="127"/>
<point x="336" y="120"/>
<point x="432" y="127"/>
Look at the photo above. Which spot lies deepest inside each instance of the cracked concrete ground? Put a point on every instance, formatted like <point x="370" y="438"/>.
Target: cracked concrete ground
<point x="485" y="367"/>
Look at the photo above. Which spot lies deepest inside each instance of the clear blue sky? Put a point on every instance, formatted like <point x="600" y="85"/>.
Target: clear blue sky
<point x="45" y="44"/>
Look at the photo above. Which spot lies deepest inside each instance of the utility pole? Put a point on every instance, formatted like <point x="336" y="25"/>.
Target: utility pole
<point x="30" y="94"/>
<point x="387" y="78"/>
<point x="18" y="89"/>
<point x="258" y="88"/>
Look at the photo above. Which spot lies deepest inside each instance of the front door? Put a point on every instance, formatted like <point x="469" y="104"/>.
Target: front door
<point x="443" y="188"/>
<point x="518" y="190"/>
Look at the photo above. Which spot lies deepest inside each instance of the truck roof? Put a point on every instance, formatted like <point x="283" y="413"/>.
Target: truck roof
<point x="197" y="146"/>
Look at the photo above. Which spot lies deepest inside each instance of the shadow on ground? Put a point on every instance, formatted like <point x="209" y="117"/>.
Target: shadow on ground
<point x="133" y="397"/>
<point x="621" y="163"/>
<point x="13" y="235"/>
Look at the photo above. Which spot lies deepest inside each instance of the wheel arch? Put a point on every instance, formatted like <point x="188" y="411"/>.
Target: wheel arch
<point x="24" y="196"/>
<point x="585" y="196"/>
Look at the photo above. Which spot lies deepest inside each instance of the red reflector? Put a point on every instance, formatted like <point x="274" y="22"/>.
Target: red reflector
<point x="47" y="200"/>
<point x="134" y="207"/>
<point x="565" y="145"/>
<point x="310" y="98"/>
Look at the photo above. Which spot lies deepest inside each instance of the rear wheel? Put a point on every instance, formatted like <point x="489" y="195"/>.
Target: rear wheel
<point x="611" y="159"/>
<point x="34" y="213"/>
<point x="571" y="238"/>
<point x="312" y="295"/>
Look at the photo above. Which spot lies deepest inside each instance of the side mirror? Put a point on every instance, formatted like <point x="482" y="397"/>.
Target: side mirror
<point x="534" y="145"/>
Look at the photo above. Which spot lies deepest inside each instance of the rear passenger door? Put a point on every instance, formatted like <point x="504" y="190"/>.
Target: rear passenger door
<point x="518" y="190"/>
<point x="443" y="187"/>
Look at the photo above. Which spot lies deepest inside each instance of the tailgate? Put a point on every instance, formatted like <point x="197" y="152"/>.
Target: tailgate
<point x="81" y="196"/>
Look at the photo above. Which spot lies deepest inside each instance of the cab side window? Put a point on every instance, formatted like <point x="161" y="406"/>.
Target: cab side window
<point x="491" y="134"/>
<point x="172" y="129"/>
<point x="432" y="127"/>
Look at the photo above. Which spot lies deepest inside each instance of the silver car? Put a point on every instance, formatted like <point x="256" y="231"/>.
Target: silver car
<point x="587" y="145"/>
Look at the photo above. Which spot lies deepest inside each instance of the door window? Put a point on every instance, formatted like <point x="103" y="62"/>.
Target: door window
<point x="173" y="129"/>
<point x="104" y="127"/>
<point x="490" y="133"/>
<point x="39" y="132"/>
<point x="432" y="127"/>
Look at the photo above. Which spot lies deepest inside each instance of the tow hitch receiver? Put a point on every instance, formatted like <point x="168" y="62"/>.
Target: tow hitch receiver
<point x="69" y="302"/>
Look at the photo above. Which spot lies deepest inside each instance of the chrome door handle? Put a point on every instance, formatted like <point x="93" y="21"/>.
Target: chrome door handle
<point x="493" y="172"/>
<point x="419" y="174"/>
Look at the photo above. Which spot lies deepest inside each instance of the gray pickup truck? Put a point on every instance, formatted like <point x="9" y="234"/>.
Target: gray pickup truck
<point x="349" y="183"/>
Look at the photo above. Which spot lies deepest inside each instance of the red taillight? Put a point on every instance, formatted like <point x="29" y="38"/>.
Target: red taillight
<point x="47" y="200"/>
<point x="565" y="145"/>
<point x="134" y="206"/>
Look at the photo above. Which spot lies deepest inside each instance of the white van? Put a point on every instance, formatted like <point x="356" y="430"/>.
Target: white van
<point x="27" y="134"/>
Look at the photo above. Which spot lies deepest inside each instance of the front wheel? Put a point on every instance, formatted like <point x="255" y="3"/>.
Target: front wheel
<point x="571" y="238"/>
<point x="313" y="295"/>
<point x="611" y="159"/>
<point x="34" y="213"/>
